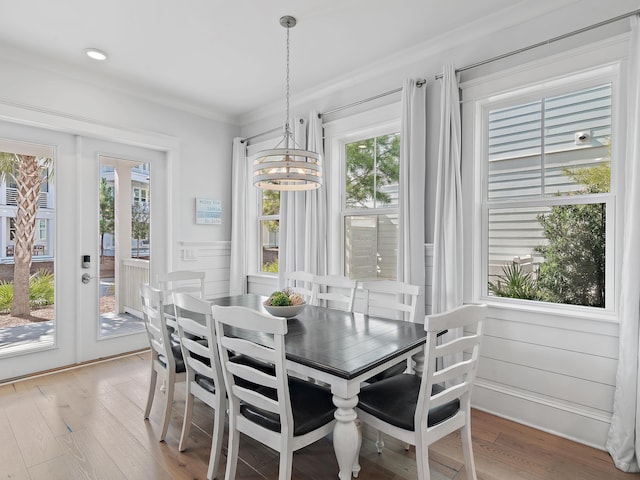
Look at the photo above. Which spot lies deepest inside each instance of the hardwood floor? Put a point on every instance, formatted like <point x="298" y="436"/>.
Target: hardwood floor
<point x="86" y="423"/>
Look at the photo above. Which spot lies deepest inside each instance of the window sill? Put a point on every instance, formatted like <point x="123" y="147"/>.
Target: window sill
<point x="551" y="309"/>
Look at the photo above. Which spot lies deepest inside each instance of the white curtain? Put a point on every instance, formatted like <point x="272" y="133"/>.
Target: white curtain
<point x="413" y="129"/>
<point x="624" y="435"/>
<point x="316" y="208"/>
<point x="447" y="243"/>
<point x="237" y="263"/>
<point x="302" y="238"/>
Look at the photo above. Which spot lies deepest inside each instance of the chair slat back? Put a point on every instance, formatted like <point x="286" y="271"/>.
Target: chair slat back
<point x="156" y="324"/>
<point x="181" y="281"/>
<point x="244" y="331"/>
<point x="462" y="354"/>
<point x="334" y="291"/>
<point x="388" y="298"/>
<point x="300" y="282"/>
<point x="197" y="338"/>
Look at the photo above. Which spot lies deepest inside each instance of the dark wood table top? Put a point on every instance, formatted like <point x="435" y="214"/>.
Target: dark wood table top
<point x="340" y="343"/>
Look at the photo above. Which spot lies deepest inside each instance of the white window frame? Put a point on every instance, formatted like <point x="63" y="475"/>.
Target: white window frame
<point x="338" y="133"/>
<point x="138" y="194"/>
<point x="42" y="230"/>
<point x="569" y="71"/>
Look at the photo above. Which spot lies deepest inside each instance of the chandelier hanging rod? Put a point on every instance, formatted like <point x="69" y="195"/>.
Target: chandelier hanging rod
<point x="288" y="166"/>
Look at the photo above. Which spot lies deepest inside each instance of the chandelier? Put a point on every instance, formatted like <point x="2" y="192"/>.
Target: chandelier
<point x="287" y="166"/>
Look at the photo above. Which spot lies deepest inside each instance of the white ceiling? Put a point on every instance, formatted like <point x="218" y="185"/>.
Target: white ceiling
<point x="229" y="56"/>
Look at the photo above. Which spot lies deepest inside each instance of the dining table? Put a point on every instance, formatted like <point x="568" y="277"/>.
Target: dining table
<point x="342" y="349"/>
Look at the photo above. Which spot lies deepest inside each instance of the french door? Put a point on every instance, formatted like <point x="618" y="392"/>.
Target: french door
<point x="68" y="245"/>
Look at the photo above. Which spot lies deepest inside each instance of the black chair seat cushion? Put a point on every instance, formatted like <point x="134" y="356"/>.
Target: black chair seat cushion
<point x="394" y="401"/>
<point x="177" y="356"/>
<point x="311" y="406"/>
<point x="200" y="358"/>
<point x="174" y="336"/>
<point x="397" y="369"/>
<point x="254" y="363"/>
<point x="265" y="367"/>
<point x="205" y="382"/>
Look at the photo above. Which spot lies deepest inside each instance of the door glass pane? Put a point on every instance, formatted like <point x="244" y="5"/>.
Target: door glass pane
<point x="27" y="230"/>
<point x="125" y="264"/>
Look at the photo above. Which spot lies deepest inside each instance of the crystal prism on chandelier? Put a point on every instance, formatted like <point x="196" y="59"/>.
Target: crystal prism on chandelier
<point x="287" y="166"/>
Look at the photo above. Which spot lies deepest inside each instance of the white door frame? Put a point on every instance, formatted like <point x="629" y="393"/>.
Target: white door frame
<point x="90" y="344"/>
<point x="71" y="347"/>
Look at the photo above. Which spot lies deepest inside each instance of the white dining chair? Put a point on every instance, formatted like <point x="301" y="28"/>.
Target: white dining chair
<point x="390" y="299"/>
<point x="420" y="411"/>
<point x="166" y="359"/>
<point x="300" y="282"/>
<point x="281" y="412"/>
<point x="334" y="291"/>
<point x="204" y="375"/>
<point x="179" y="281"/>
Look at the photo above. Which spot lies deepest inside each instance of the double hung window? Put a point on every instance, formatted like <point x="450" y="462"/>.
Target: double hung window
<point x="370" y="208"/>
<point x="269" y="227"/>
<point x="547" y="195"/>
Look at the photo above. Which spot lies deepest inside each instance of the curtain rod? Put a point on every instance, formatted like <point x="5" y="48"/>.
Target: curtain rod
<point x="546" y="42"/>
<point x="420" y="82"/>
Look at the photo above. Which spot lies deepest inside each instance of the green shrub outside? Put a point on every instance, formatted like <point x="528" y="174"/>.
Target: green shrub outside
<point x="41" y="291"/>
<point x="271" y="267"/>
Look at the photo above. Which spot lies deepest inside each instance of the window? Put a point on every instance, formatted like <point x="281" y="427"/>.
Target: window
<point x="140" y="195"/>
<point x="269" y="221"/>
<point x="548" y="200"/>
<point x="12" y="229"/>
<point x="370" y="209"/>
<point x="41" y="230"/>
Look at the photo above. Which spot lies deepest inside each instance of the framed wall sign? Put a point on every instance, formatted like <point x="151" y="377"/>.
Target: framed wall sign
<point x="208" y="211"/>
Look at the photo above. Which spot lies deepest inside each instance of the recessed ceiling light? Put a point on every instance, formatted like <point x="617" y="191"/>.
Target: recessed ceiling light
<point x="95" y="54"/>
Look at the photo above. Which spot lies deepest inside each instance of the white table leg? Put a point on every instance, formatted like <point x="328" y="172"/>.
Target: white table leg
<point x="346" y="437"/>
<point x="418" y="363"/>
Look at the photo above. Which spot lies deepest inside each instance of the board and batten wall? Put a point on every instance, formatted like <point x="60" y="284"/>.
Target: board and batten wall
<point x="552" y="372"/>
<point x="211" y="257"/>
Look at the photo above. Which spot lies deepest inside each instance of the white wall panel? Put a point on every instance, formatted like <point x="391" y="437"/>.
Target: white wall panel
<point x="560" y="419"/>
<point x="555" y="386"/>
<point x="596" y="344"/>
<point x="212" y="258"/>
<point x="574" y="364"/>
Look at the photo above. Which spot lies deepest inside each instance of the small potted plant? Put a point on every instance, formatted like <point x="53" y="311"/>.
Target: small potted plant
<point x="284" y="303"/>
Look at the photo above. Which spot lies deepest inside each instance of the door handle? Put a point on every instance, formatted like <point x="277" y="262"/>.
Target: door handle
<point x="86" y="278"/>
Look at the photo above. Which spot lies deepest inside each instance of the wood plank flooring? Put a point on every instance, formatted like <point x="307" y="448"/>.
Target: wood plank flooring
<point x="86" y="423"/>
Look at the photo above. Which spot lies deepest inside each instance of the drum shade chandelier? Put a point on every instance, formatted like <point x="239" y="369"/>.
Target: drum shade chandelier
<point x="287" y="166"/>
